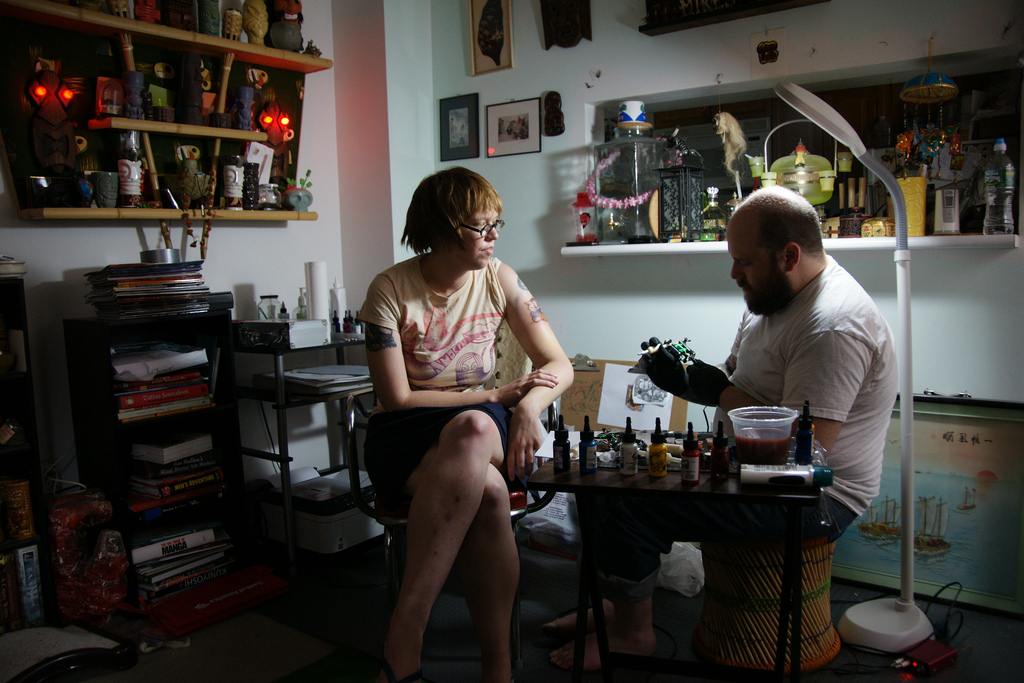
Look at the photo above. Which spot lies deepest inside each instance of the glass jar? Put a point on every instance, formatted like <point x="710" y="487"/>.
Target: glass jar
<point x="584" y="227"/>
<point x="269" y="307"/>
<point x="713" y="219"/>
<point x="626" y="175"/>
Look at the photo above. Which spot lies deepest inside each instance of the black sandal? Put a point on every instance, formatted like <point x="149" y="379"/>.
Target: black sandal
<point x="389" y="672"/>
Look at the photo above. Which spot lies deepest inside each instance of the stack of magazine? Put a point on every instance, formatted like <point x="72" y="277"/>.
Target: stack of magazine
<point x="138" y="290"/>
<point x="172" y="560"/>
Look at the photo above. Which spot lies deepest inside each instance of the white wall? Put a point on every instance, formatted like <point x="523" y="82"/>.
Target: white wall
<point x="966" y="313"/>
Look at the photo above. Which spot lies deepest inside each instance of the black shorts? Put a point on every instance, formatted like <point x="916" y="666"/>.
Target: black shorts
<point x="397" y="441"/>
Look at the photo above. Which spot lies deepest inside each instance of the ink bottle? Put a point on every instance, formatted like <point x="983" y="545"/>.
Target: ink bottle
<point x="720" y="454"/>
<point x="561" y="448"/>
<point x="627" y="450"/>
<point x="588" y="448"/>
<point x="805" y="437"/>
<point x="689" y="461"/>
<point x="657" y="453"/>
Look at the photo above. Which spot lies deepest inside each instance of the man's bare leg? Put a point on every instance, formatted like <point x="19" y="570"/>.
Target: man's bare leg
<point x="565" y="626"/>
<point x="630" y="631"/>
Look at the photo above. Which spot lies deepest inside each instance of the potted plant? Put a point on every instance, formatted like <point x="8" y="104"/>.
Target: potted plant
<point x="297" y="196"/>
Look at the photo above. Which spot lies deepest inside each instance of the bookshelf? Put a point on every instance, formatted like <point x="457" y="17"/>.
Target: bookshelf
<point x="103" y="442"/>
<point x="21" y="461"/>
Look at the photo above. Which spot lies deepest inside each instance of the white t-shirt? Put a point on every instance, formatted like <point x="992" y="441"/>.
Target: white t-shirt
<point x="830" y="345"/>
<point x="447" y="341"/>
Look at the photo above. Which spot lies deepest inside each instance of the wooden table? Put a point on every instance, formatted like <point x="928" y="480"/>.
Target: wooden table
<point x="587" y="487"/>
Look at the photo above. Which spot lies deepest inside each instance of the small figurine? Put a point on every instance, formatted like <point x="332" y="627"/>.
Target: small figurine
<point x="255" y="20"/>
<point x="285" y="24"/>
<point x="554" y="121"/>
<point x="104" y="189"/>
<point x="119" y="8"/>
<point x="191" y="89"/>
<point x="276" y="124"/>
<point x="180" y="14"/>
<point x="129" y="172"/>
<point x="242" y="107"/>
<point x="232" y="24"/>
<point x="209" y="17"/>
<point x="234" y="174"/>
<point x="133" y="83"/>
<point x="53" y="133"/>
<point x="146" y="10"/>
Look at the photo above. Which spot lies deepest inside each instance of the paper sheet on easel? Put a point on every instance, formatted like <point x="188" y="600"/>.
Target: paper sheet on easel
<point x="617" y="400"/>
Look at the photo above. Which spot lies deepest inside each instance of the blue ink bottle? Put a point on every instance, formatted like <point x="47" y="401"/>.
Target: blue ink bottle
<point x="588" y="448"/>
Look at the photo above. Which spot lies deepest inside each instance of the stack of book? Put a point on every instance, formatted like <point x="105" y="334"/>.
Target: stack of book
<point x="138" y="290"/>
<point x="172" y="560"/>
<point x="172" y="393"/>
<point x="172" y="474"/>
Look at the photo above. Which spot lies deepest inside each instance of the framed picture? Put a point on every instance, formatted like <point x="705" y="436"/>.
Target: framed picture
<point x="490" y="35"/>
<point x="460" y="127"/>
<point x="513" y="127"/>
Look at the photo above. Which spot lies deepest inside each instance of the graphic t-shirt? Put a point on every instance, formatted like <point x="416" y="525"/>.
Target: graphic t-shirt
<point x="447" y="341"/>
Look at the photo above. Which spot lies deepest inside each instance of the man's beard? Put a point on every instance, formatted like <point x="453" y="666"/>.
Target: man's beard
<point x="773" y="296"/>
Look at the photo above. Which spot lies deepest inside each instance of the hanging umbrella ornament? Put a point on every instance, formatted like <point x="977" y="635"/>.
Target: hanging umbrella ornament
<point x="928" y="88"/>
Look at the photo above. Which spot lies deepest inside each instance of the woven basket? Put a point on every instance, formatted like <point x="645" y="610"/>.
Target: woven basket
<point x="739" y="623"/>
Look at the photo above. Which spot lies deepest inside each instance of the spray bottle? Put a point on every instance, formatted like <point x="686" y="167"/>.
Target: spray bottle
<point x="805" y="437"/>
<point x="689" y="461"/>
<point x="588" y="448"/>
<point x="720" y="454"/>
<point x="301" y="312"/>
<point x="627" y="450"/>
<point x="561" y="447"/>
<point x="657" y="453"/>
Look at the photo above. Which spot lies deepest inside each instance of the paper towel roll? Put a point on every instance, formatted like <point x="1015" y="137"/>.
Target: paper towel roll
<point x="318" y="291"/>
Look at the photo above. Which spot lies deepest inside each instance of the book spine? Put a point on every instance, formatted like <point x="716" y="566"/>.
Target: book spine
<point x="168" y="408"/>
<point x="6" y="591"/>
<point x="28" y="578"/>
<point x="171" y="546"/>
<point x="151" y="596"/>
<point x="138" y="502"/>
<point x="9" y="577"/>
<point x="178" y="510"/>
<point x="170" y="488"/>
<point x="158" y="382"/>
<point x="192" y="463"/>
<point x="155" y="397"/>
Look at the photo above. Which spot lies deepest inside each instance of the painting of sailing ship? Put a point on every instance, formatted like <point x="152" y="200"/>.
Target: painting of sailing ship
<point x="933" y="521"/>
<point x="882" y="525"/>
<point x="968" y="499"/>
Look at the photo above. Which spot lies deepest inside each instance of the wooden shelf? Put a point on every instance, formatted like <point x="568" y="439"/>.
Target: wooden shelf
<point x="161" y="128"/>
<point x="58" y="213"/>
<point x="831" y="245"/>
<point x="102" y="24"/>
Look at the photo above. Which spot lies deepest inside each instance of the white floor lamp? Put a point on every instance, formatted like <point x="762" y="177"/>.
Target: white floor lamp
<point x="887" y="624"/>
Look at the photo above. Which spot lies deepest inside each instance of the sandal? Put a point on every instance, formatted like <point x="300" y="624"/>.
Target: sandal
<point x="415" y="676"/>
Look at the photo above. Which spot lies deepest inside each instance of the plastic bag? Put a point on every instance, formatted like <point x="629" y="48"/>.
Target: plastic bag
<point x="555" y="528"/>
<point x="682" y="569"/>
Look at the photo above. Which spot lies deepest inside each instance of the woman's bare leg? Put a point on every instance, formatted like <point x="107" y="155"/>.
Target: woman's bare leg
<point x="447" y="488"/>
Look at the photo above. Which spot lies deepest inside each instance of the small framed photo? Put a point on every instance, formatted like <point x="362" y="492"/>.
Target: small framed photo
<point x="490" y="35"/>
<point x="514" y="127"/>
<point x="460" y="127"/>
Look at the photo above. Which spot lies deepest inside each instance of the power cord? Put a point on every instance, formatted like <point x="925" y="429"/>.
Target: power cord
<point x="942" y="627"/>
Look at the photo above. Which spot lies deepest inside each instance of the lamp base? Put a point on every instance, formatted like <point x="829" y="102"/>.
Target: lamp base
<point x="887" y="625"/>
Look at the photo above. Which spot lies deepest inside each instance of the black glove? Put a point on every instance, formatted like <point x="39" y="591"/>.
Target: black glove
<point x="707" y="382"/>
<point x="664" y="368"/>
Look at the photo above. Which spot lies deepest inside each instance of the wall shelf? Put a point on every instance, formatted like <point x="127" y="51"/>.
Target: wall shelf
<point x="61" y="213"/>
<point x="929" y="242"/>
<point x="183" y="129"/>
<point x="102" y="24"/>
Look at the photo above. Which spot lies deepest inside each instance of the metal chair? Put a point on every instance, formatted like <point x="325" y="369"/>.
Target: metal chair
<point x="512" y="364"/>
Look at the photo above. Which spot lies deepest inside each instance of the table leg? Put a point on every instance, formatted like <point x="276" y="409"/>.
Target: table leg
<point x="792" y="595"/>
<point x="285" y="462"/>
<point x="589" y="587"/>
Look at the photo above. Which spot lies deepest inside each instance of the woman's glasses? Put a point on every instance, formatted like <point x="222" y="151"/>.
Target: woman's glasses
<point x="485" y="231"/>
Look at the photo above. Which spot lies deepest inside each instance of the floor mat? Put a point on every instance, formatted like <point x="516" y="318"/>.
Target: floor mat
<point x="344" y="665"/>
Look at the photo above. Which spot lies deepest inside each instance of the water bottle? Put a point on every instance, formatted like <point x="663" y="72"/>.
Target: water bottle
<point x="999" y="181"/>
